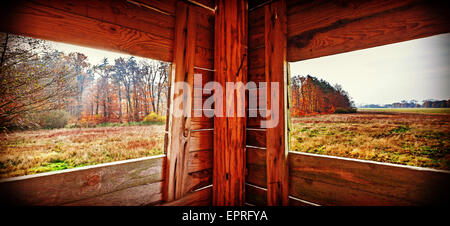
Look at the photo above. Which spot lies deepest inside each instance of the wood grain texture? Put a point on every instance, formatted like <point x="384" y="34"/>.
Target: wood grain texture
<point x="276" y="71"/>
<point x="199" y="179"/>
<point x="141" y="195"/>
<point x="202" y="123"/>
<point x="120" y="12"/>
<point x="256" y="167"/>
<point x="168" y="6"/>
<point x="257" y="138"/>
<point x="256" y="28"/>
<point x="193" y="54"/>
<point x="197" y="198"/>
<point x="103" y="184"/>
<point x="180" y="131"/>
<point x="229" y="132"/>
<point x="200" y="160"/>
<point x="330" y="180"/>
<point x="322" y="28"/>
<point x="257" y="196"/>
<point x="201" y="140"/>
<point x="40" y="21"/>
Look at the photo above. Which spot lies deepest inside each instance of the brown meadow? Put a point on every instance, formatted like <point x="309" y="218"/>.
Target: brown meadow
<point x="400" y="138"/>
<point x="29" y="152"/>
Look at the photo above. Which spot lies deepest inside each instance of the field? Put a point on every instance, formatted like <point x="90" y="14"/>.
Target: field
<point x="408" y="110"/>
<point x="29" y="152"/>
<point x="417" y="139"/>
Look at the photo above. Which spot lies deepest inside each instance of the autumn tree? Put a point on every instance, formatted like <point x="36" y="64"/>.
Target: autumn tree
<point x="33" y="80"/>
<point x="310" y="95"/>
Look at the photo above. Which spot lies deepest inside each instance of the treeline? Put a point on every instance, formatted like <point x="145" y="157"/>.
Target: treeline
<point x="43" y="87"/>
<point x="310" y="96"/>
<point x="412" y="104"/>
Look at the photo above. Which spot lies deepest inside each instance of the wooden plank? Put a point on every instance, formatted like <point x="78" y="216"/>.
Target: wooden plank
<point x="304" y="16"/>
<point x="179" y="124"/>
<point x="208" y="4"/>
<point x="38" y="21"/>
<point x="205" y="38"/>
<point x="199" y="198"/>
<point x="118" y="12"/>
<point x="205" y="18"/>
<point x="256" y="28"/>
<point x="255" y="195"/>
<point x="256" y="58"/>
<point x="199" y="103"/>
<point x="256" y="156"/>
<point x="200" y="160"/>
<point x="257" y="4"/>
<point x="256" y="166"/>
<point x="276" y="71"/>
<point x="202" y="123"/>
<point x="360" y="24"/>
<point x="255" y="122"/>
<point x="230" y="64"/>
<point x="256" y="37"/>
<point x="254" y="98"/>
<point x="256" y="75"/>
<point x="201" y="140"/>
<point x="168" y="6"/>
<point x="204" y="52"/>
<point x="199" y="179"/>
<point x="85" y="183"/>
<point x="330" y="180"/>
<point x="142" y="195"/>
<point x="256" y="17"/>
<point x="256" y="138"/>
<point x="207" y="76"/>
<point x="293" y="201"/>
<point x="204" y="58"/>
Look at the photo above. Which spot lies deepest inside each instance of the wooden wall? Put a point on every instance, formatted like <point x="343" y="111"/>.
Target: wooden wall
<point x="124" y="183"/>
<point x="255" y="134"/>
<point x="112" y="25"/>
<point x="321" y="28"/>
<point x="190" y="146"/>
<point x="145" y="28"/>
<point x="229" y="130"/>
<point x="267" y="63"/>
<point x="148" y="28"/>
<point x="327" y="180"/>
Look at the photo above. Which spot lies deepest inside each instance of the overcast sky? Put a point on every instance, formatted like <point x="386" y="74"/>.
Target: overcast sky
<point x="95" y="56"/>
<point x="417" y="69"/>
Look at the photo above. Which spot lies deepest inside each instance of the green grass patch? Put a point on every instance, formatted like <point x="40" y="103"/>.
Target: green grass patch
<point x="51" y="166"/>
<point x="400" y="129"/>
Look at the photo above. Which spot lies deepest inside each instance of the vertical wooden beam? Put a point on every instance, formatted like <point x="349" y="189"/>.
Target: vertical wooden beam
<point x="179" y="124"/>
<point x="276" y="71"/>
<point x="230" y="63"/>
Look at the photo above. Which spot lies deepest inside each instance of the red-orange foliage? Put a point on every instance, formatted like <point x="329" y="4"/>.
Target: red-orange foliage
<point x="311" y="96"/>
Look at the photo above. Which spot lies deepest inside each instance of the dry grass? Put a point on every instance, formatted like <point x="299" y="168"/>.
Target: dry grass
<point x="408" y="110"/>
<point x="29" y="152"/>
<point x="409" y="139"/>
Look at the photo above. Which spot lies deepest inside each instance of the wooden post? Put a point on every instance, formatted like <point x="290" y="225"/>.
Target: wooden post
<point x="276" y="71"/>
<point x="179" y="125"/>
<point x="230" y="65"/>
